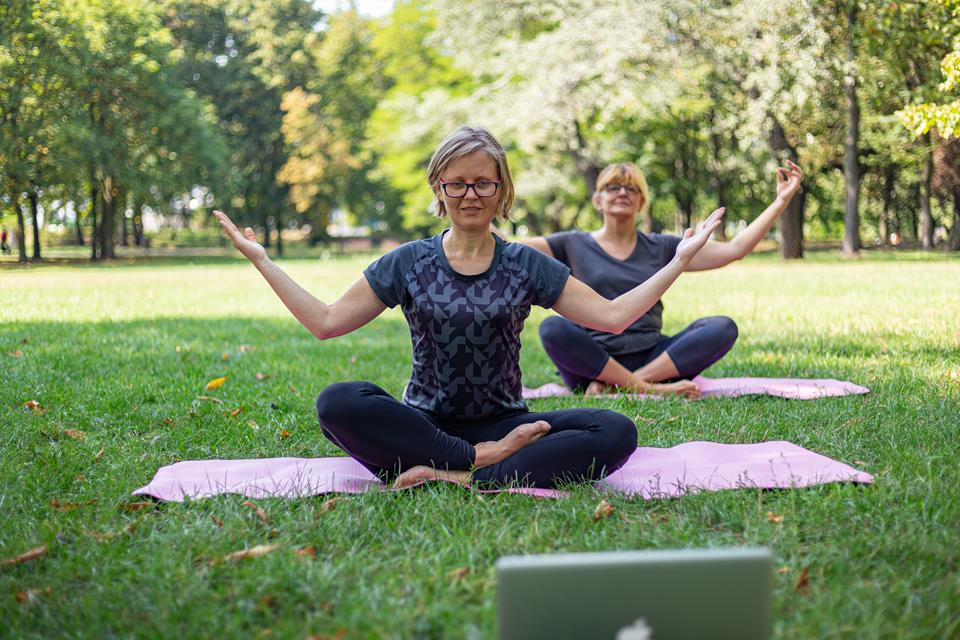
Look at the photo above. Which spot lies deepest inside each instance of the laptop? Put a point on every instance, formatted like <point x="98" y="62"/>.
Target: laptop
<point x="636" y="595"/>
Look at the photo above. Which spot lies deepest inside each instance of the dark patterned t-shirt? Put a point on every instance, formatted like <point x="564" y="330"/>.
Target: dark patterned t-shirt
<point x="465" y="329"/>
<point x="612" y="278"/>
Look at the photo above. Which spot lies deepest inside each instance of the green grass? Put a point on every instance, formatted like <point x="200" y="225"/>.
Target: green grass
<point x="122" y="352"/>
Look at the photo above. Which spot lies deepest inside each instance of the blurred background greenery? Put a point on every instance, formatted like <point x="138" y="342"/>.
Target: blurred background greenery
<point x="124" y="122"/>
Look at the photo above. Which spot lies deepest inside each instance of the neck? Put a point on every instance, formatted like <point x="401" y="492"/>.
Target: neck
<point x="618" y="229"/>
<point x="468" y="243"/>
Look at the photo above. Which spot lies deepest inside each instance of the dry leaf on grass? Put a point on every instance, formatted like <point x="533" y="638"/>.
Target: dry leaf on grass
<point x="294" y="390"/>
<point x="252" y="552"/>
<point x="217" y="521"/>
<point x="775" y="518"/>
<point x="226" y="356"/>
<point x="308" y="551"/>
<point x="98" y="455"/>
<point x="329" y="505"/>
<point x="169" y="422"/>
<point x="28" y="596"/>
<point x="26" y="556"/>
<point x="76" y="434"/>
<point x="236" y="412"/>
<point x="16" y="353"/>
<point x="209" y="399"/>
<point x="34" y="406"/>
<point x="245" y="348"/>
<point x="216" y="383"/>
<point x="258" y="510"/>
<point x="284" y="434"/>
<point x="603" y="509"/>
<point x="803" y="581"/>
<point x="458" y="574"/>
<point x="69" y="506"/>
<point x="263" y="376"/>
<point x="137" y="506"/>
<point x="784" y="569"/>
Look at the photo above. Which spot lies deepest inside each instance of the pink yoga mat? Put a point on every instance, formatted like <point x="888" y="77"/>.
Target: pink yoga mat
<point x="650" y="472"/>
<point x="792" y="388"/>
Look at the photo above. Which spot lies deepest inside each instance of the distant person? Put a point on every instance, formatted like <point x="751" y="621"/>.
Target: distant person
<point x="618" y="257"/>
<point x="4" y="245"/>
<point x="465" y="294"/>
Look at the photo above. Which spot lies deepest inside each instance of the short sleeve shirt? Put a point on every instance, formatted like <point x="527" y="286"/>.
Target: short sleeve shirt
<point x="611" y="278"/>
<point x="465" y="329"/>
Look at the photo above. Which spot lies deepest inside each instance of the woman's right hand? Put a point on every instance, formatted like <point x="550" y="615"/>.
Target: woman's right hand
<point x="245" y="242"/>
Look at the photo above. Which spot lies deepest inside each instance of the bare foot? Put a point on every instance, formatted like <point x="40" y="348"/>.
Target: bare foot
<point x="491" y="452"/>
<point x="422" y="473"/>
<point x="683" y="388"/>
<point x="597" y="388"/>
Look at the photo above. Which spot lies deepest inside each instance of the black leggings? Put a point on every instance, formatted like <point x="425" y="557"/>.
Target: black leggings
<point x="387" y="437"/>
<point x="580" y="359"/>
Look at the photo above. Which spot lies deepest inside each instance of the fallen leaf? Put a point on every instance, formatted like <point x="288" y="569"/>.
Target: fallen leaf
<point x="252" y="552"/>
<point x="603" y="509"/>
<point x="209" y="399"/>
<point x="263" y="376"/>
<point x="80" y="478"/>
<point x="137" y="506"/>
<point x="216" y="383"/>
<point x="26" y="556"/>
<point x="34" y="406"/>
<point x="25" y="597"/>
<point x="306" y="551"/>
<point x="294" y="390"/>
<point x="15" y="353"/>
<point x="217" y="521"/>
<point x="284" y="434"/>
<point x="253" y="425"/>
<point x="99" y="455"/>
<point x="226" y="356"/>
<point x="236" y="412"/>
<point x="76" y="434"/>
<point x="329" y="505"/>
<point x="69" y="506"/>
<point x="660" y="518"/>
<point x="169" y="422"/>
<point x="784" y="569"/>
<point x="775" y="518"/>
<point x="803" y="581"/>
<point x="458" y="574"/>
<point x="246" y="348"/>
<point x="259" y="511"/>
<point x="860" y="463"/>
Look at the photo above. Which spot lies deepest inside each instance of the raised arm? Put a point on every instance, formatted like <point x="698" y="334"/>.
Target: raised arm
<point x="581" y="304"/>
<point x="355" y="308"/>
<point x="538" y="242"/>
<point x="718" y="254"/>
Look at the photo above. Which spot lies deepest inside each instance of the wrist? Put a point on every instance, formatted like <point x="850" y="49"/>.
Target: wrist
<point x="261" y="263"/>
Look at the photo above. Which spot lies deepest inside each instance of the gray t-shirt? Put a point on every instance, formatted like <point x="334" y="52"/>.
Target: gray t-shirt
<point x="611" y="278"/>
<point x="465" y="329"/>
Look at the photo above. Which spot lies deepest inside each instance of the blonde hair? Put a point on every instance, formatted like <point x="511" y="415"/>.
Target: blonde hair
<point x="463" y="142"/>
<point x="625" y="173"/>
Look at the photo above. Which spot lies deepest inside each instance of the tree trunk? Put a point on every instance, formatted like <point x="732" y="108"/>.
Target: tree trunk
<point x="34" y="215"/>
<point x="279" y="223"/>
<point x="851" y="147"/>
<point x="791" y="221"/>
<point x="718" y="178"/>
<point x="108" y="197"/>
<point x="587" y="170"/>
<point x="953" y="242"/>
<point x="21" y="228"/>
<point x="889" y="178"/>
<point x="94" y="228"/>
<point x="138" y="225"/>
<point x="124" y="236"/>
<point x="926" y="214"/>
<point x="79" y="229"/>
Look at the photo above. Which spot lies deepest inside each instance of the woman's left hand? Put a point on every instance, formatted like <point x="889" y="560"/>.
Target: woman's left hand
<point x="693" y="241"/>
<point x="789" y="181"/>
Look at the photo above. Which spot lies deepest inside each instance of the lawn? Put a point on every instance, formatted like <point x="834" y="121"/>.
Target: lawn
<point x="121" y="353"/>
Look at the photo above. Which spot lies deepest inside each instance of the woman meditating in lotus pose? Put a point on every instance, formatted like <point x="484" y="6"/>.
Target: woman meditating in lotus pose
<point x="465" y="294"/>
<point x="618" y="257"/>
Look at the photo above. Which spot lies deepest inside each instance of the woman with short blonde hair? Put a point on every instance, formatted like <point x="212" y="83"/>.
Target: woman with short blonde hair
<point x="465" y="294"/>
<point x="616" y="258"/>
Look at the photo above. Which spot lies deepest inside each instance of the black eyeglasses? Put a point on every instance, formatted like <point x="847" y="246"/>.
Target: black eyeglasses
<point x="483" y="188"/>
<point x="615" y="188"/>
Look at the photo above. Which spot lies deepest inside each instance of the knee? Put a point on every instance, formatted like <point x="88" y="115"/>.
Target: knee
<point x="340" y="400"/>
<point x="621" y="435"/>
<point x="727" y="330"/>
<point x="554" y="331"/>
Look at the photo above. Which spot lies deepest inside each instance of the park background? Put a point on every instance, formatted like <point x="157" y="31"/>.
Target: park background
<point x="123" y="123"/>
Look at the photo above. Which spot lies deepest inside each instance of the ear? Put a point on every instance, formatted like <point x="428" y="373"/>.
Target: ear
<point x="596" y="200"/>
